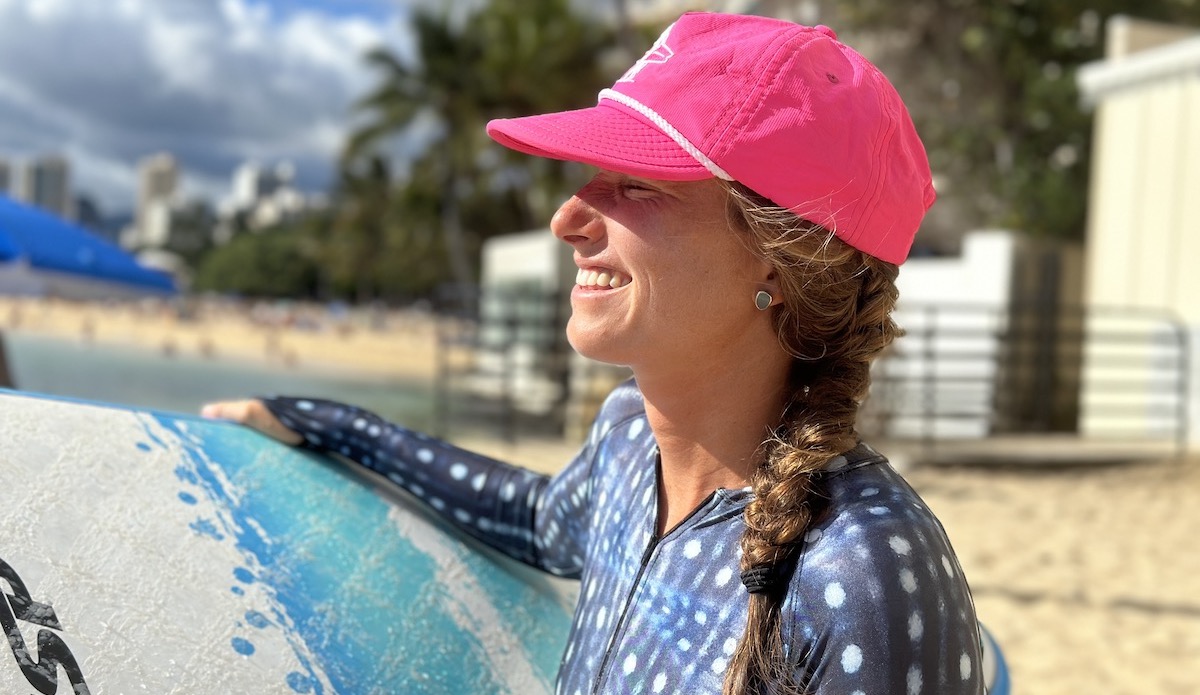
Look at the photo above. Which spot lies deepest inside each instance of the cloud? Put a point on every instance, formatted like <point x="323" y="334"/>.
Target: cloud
<point x="216" y="83"/>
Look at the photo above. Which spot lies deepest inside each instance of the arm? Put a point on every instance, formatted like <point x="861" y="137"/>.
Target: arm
<point x="530" y="517"/>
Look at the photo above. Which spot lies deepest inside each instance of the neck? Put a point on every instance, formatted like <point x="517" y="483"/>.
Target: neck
<point x="709" y="430"/>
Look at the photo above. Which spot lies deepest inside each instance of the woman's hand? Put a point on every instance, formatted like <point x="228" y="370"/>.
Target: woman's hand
<point x="253" y="414"/>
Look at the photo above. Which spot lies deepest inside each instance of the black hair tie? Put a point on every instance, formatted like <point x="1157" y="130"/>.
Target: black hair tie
<point x="761" y="579"/>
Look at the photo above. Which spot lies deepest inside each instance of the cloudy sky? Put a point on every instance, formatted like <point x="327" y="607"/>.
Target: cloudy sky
<point x="214" y="82"/>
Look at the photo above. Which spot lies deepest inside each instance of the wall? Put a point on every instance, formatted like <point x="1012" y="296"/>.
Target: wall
<point x="1142" y="243"/>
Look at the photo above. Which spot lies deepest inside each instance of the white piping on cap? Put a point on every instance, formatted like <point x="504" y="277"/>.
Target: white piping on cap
<point x="667" y="129"/>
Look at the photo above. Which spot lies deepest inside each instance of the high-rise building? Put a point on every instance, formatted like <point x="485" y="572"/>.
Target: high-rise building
<point x="158" y="183"/>
<point x="5" y="178"/>
<point x="158" y="179"/>
<point x="46" y="183"/>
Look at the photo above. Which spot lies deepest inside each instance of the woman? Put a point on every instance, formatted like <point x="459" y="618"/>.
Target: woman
<point x="758" y="184"/>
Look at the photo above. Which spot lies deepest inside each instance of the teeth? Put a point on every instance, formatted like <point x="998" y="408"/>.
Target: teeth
<point x="592" y="278"/>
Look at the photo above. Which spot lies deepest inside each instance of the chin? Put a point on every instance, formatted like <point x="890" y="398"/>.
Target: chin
<point x="596" y="345"/>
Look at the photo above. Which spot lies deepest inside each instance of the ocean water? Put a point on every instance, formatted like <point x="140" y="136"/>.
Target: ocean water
<point x="148" y="379"/>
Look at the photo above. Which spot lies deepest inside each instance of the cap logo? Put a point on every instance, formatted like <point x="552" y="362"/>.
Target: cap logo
<point x="660" y="52"/>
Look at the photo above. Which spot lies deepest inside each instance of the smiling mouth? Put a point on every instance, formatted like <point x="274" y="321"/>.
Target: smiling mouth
<point x="600" y="279"/>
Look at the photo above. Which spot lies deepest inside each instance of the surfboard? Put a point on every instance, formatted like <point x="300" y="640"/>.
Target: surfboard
<point x="154" y="552"/>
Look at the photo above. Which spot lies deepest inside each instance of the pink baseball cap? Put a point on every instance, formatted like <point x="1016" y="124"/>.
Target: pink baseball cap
<point x="784" y="109"/>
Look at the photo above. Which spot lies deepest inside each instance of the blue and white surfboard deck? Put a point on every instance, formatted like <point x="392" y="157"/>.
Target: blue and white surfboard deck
<point x="163" y="553"/>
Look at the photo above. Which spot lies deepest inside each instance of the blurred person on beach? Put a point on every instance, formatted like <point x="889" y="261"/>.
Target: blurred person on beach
<point x="758" y="185"/>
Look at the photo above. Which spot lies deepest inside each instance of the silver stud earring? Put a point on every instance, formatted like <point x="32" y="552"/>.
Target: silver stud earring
<point x="762" y="300"/>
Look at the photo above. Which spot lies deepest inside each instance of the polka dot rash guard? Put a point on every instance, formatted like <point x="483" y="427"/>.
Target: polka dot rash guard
<point x="877" y="603"/>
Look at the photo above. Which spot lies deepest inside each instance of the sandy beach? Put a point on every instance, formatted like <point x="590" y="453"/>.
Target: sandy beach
<point x="383" y="343"/>
<point x="1086" y="575"/>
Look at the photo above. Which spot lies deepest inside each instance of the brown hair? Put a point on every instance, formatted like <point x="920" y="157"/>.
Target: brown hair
<point x="834" y="319"/>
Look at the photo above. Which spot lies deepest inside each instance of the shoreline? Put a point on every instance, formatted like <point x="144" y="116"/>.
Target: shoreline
<point x="357" y="344"/>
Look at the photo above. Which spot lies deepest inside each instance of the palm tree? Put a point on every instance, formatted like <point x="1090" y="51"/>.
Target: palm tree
<point x="511" y="57"/>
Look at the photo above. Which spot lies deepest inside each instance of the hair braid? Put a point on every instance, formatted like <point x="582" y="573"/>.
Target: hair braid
<point x="835" y="319"/>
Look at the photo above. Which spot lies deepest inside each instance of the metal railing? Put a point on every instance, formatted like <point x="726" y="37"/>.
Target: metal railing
<point x="965" y="371"/>
<point x="502" y="359"/>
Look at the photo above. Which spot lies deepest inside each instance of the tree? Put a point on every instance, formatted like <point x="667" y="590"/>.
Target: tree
<point x="991" y="86"/>
<point x="511" y="57"/>
<point x="272" y="263"/>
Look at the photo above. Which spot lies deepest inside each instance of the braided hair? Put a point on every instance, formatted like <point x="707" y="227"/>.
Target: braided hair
<point x="834" y="319"/>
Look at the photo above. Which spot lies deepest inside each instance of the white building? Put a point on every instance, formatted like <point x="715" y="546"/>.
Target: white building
<point x="262" y="198"/>
<point x="158" y="182"/>
<point x="1142" y="243"/>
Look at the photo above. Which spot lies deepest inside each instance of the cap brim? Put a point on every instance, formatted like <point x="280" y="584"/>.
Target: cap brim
<point x="606" y="136"/>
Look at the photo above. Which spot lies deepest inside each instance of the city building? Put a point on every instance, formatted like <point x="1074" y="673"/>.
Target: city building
<point x="5" y="178"/>
<point x="261" y="198"/>
<point x="158" y="179"/>
<point x="46" y="183"/>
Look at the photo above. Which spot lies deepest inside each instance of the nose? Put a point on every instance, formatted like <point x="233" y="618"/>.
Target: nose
<point x="577" y="223"/>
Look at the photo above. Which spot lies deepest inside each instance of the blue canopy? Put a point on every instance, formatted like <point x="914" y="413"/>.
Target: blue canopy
<point x="50" y="243"/>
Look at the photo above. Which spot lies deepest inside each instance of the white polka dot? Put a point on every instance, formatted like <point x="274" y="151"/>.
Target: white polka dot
<point x="508" y="492"/>
<point x="914" y="681"/>
<point x="858" y="692"/>
<point x="601" y="617"/>
<point x="373" y="431"/>
<point x="313" y="439"/>
<point x="692" y="549"/>
<point x="836" y="464"/>
<point x="869" y="492"/>
<point x="304" y="405"/>
<point x="947" y="565"/>
<point x="425" y="456"/>
<point x="730" y="646"/>
<point x="437" y="504"/>
<point x="462" y="516"/>
<point x="660" y="682"/>
<point x="964" y="666"/>
<point x="478" y="482"/>
<point x="835" y="595"/>
<point x="635" y="428"/>
<point x="630" y="663"/>
<point x="458" y="471"/>
<point x="900" y="545"/>
<point x="719" y="664"/>
<point x="813" y="536"/>
<point x="915" y="626"/>
<point x="852" y="658"/>
<point x="415" y="489"/>
<point x="360" y="424"/>
<point x="908" y="580"/>
<point x="724" y="576"/>
<point x="878" y="511"/>
<point x="684" y="644"/>
<point x="701" y="617"/>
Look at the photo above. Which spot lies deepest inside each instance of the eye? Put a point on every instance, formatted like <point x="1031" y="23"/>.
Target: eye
<point x="636" y="189"/>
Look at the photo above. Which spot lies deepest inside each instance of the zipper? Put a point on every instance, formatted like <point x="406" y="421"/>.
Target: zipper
<point x="619" y="626"/>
